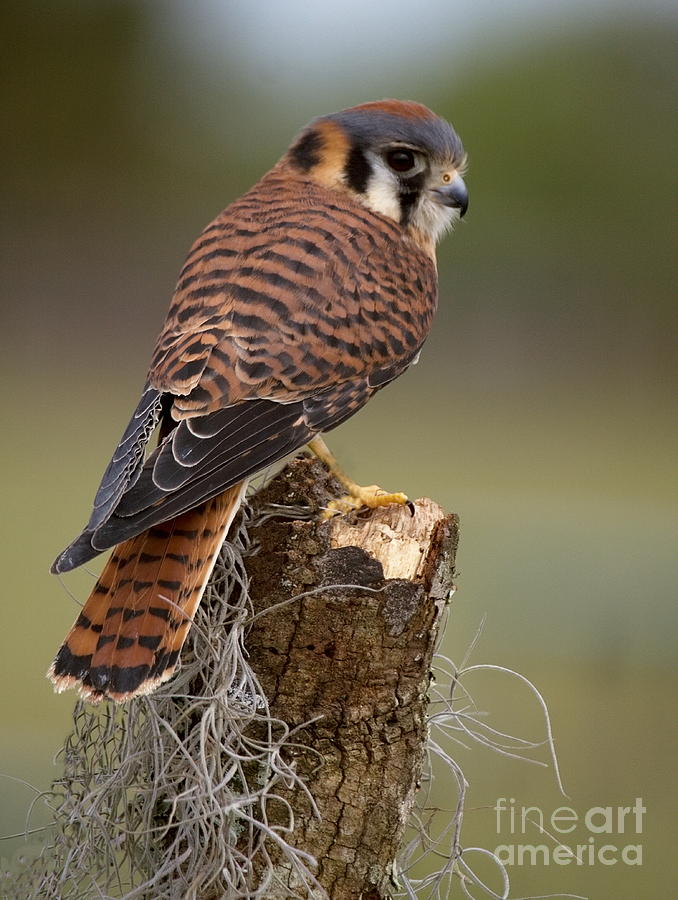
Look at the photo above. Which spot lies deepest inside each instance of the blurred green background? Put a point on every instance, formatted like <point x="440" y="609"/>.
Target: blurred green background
<point x="542" y="412"/>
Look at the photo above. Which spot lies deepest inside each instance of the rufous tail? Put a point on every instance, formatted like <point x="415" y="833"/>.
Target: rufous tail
<point x="127" y="639"/>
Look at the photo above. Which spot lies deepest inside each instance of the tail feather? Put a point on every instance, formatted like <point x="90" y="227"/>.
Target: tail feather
<point x="127" y="639"/>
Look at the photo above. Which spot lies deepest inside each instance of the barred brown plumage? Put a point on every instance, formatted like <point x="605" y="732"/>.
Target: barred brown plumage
<point x="301" y="299"/>
<point x="128" y="637"/>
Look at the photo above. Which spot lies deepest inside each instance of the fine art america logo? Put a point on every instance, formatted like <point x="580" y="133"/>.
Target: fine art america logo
<point x="610" y="835"/>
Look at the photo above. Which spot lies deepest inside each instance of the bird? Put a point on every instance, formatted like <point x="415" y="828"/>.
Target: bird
<point x="303" y="298"/>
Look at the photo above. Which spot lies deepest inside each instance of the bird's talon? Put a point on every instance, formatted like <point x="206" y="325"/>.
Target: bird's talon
<point x="371" y="496"/>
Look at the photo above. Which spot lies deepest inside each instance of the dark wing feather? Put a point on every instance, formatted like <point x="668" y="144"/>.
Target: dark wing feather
<point x="163" y="474"/>
<point x="211" y="483"/>
<point x="125" y="466"/>
<point x="242" y="422"/>
<point x="271" y="431"/>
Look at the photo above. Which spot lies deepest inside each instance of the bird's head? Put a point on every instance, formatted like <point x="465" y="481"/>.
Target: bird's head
<point x="395" y="157"/>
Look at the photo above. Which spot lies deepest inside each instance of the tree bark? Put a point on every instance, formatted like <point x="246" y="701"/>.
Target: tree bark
<point x="355" y="660"/>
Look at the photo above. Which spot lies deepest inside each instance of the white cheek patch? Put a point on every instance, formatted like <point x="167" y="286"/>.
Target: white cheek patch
<point x="381" y="194"/>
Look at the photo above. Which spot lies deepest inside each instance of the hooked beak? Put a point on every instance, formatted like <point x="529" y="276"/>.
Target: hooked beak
<point x="453" y="194"/>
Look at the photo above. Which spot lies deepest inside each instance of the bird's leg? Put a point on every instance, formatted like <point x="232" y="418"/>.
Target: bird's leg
<point x="358" y="495"/>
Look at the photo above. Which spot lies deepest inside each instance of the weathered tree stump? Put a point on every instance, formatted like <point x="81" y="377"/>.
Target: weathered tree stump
<point x="351" y="657"/>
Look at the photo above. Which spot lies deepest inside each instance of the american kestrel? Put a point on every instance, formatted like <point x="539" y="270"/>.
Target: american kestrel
<point x="296" y="304"/>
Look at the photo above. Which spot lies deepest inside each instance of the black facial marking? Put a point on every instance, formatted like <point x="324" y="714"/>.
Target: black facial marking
<point x="408" y="195"/>
<point x="305" y="154"/>
<point x="357" y="170"/>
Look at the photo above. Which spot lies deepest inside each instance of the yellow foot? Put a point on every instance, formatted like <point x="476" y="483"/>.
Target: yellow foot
<point x="358" y="496"/>
<point x="369" y="495"/>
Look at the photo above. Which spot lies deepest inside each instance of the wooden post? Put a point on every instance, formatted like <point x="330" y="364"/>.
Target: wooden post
<point x="356" y="661"/>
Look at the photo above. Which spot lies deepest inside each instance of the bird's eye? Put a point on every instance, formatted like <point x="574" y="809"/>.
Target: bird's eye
<point x="401" y="160"/>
